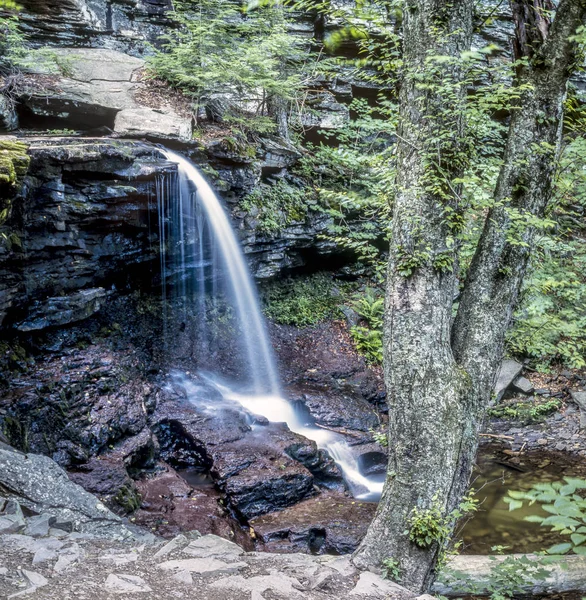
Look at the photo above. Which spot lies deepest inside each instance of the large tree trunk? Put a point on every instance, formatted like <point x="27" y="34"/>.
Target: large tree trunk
<point x="428" y="394"/>
<point x="439" y="378"/>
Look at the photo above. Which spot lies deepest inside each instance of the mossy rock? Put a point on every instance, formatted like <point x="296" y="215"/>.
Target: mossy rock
<point x="128" y="498"/>
<point x="14" y="164"/>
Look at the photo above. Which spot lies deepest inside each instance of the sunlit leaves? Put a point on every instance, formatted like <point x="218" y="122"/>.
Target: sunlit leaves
<point x="565" y="502"/>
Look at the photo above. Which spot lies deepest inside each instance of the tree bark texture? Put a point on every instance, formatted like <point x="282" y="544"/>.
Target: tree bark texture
<point x="428" y="393"/>
<point x="439" y="373"/>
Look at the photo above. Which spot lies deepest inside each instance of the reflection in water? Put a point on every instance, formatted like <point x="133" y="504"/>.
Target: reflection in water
<point x="494" y="524"/>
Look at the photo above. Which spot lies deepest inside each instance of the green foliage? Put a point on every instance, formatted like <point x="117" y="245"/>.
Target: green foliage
<point x="352" y="179"/>
<point x="380" y="437"/>
<point x="431" y="526"/>
<point x="550" y="324"/>
<point x="238" y="57"/>
<point x="566" y="505"/>
<point x="276" y="206"/>
<point x="390" y="569"/>
<point x="303" y="301"/>
<point x="17" y="54"/>
<point x="369" y="305"/>
<point x="525" y="410"/>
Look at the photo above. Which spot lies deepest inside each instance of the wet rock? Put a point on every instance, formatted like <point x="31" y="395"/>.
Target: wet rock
<point x="265" y="483"/>
<point x="82" y="220"/>
<point x="253" y="468"/>
<point x="109" y="480"/>
<point x="170" y="505"/>
<point x="63" y="310"/>
<point x="328" y="523"/>
<point x="338" y="407"/>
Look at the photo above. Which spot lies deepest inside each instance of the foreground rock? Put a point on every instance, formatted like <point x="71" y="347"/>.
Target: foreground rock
<point x="43" y="488"/>
<point x="202" y="568"/>
<point x="62" y="565"/>
<point x="328" y="524"/>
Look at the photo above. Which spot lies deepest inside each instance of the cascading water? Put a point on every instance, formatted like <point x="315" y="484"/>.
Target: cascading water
<point x="200" y="253"/>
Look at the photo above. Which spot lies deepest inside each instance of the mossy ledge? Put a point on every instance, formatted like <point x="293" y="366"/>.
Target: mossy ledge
<point x="14" y="163"/>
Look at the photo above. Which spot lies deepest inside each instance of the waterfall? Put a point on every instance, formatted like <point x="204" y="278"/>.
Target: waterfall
<point x="195" y="216"/>
<point x="199" y="251"/>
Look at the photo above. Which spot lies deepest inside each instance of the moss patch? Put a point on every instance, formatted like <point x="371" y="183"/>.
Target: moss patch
<point x="14" y="163"/>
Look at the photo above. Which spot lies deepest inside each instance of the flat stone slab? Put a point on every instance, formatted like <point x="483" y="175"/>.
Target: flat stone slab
<point x="213" y="546"/>
<point x="93" y="64"/>
<point x="203" y="566"/>
<point x="373" y="586"/>
<point x="152" y="123"/>
<point x="276" y="582"/>
<point x="126" y="584"/>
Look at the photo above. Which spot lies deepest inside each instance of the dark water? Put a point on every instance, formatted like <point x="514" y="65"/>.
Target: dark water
<point x="494" y="524"/>
<point x="197" y="479"/>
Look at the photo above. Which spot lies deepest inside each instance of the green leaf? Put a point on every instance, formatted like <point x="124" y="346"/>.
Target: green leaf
<point x="559" y="548"/>
<point x="578" y="538"/>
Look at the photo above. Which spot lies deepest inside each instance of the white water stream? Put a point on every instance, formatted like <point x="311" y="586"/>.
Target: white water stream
<point x="196" y="232"/>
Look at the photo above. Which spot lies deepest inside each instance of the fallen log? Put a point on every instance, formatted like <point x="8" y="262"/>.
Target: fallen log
<point x="473" y="575"/>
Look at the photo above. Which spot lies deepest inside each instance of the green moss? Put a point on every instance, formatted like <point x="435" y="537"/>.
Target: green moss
<point x="128" y="498"/>
<point x="14" y="163"/>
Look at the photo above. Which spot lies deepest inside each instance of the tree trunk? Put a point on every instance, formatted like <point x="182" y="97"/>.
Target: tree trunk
<point x="439" y="378"/>
<point x="522" y="193"/>
<point x="428" y="394"/>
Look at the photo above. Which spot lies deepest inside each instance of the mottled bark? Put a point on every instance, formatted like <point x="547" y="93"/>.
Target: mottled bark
<point x="439" y="375"/>
<point x="428" y="393"/>
<point x="524" y="187"/>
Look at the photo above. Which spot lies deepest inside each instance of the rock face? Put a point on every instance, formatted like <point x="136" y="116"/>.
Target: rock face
<point x="82" y="222"/>
<point x="118" y="25"/>
<point x="328" y="524"/>
<point x="100" y="90"/>
<point x="62" y="310"/>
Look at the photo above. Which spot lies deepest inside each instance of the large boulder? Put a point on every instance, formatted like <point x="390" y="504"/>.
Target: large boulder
<point x="330" y="523"/>
<point x="42" y="487"/>
<point x="151" y="123"/>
